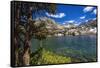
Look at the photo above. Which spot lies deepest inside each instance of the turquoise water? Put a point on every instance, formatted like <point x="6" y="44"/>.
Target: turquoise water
<point x="73" y="46"/>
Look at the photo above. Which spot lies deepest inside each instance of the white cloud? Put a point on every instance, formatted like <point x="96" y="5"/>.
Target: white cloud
<point x="82" y="17"/>
<point x="86" y="20"/>
<point x="58" y="15"/>
<point x="76" y="24"/>
<point x="70" y="21"/>
<point x="94" y="18"/>
<point x="88" y="9"/>
<point x="94" y="11"/>
<point x="63" y="23"/>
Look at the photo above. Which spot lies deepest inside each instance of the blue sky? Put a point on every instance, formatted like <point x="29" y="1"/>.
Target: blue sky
<point x="73" y="14"/>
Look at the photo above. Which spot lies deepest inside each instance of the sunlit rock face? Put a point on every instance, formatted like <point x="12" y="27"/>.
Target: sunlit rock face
<point x="50" y="23"/>
<point x="88" y="27"/>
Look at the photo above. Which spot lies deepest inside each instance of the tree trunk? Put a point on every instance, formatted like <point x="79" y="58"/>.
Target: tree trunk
<point x="16" y="52"/>
<point x="16" y="44"/>
<point x="26" y="54"/>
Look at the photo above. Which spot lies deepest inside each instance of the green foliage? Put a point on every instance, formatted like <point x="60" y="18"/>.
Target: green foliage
<point x="43" y="56"/>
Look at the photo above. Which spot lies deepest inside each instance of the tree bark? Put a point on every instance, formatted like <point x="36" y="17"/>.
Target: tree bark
<point x="16" y="44"/>
<point x="16" y="52"/>
<point x="26" y="54"/>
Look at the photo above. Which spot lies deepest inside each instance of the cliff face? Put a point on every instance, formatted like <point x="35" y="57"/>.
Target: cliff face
<point x="90" y="23"/>
<point x="55" y="29"/>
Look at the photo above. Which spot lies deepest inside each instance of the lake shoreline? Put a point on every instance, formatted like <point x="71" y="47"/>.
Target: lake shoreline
<point x="74" y="35"/>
